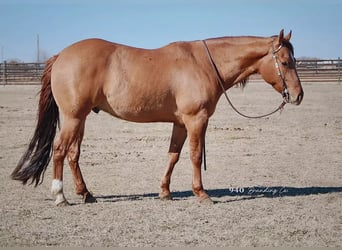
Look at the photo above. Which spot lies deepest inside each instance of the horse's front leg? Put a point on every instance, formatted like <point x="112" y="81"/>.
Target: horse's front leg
<point x="176" y="144"/>
<point x="196" y="126"/>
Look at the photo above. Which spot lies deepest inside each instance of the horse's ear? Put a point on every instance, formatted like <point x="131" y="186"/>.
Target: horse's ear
<point x="280" y="38"/>
<point x="288" y="36"/>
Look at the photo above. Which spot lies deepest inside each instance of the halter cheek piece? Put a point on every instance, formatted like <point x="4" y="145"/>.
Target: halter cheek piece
<point x="285" y="93"/>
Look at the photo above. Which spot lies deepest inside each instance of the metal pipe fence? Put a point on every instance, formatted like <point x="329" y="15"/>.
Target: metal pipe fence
<point x="308" y="70"/>
<point x="20" y="73"/>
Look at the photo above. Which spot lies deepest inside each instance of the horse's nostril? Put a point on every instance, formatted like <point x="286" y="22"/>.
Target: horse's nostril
<point x="300" y="97"/>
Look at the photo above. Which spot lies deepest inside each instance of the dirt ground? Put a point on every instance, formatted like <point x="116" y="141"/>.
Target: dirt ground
<point x="275" y="181"/>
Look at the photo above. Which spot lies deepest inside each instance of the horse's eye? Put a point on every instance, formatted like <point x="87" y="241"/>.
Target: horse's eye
<point x="284" y="63"/>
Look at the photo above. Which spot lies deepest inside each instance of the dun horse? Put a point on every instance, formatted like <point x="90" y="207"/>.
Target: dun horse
<point x="178" y="83"/>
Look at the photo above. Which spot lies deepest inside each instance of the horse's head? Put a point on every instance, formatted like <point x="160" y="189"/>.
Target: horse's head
<point x="278" y="68"/>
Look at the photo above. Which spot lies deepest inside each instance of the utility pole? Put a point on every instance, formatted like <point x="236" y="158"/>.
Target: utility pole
<point x="38" y="48"/>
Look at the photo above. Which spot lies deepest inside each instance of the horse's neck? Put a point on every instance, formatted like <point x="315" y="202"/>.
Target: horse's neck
<point x="238" y="57"/>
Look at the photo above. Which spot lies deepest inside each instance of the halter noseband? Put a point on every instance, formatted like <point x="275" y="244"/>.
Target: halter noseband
<point x="285" y="93"/>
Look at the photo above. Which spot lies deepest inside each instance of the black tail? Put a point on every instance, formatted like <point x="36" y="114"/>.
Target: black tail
<point x="35" y="160"/>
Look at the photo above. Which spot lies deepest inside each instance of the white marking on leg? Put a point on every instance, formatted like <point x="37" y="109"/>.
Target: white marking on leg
<point x="57" y="191"/>
<point x="57" y="187"/>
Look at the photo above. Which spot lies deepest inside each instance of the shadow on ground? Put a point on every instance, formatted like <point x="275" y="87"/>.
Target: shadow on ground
<point x="243" y="192"/>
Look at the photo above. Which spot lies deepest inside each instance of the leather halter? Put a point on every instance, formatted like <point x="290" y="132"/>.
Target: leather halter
<point x="285" y="92"/>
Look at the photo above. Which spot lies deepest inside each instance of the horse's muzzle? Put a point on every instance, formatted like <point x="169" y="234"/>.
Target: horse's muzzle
<point x="298" y="99"/>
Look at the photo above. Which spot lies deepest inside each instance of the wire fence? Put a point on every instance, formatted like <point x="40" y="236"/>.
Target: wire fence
<point x="308" y="71"/>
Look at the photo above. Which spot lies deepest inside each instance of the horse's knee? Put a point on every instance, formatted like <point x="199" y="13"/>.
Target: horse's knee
<point x="196" y="158"/>
<point x="173" y="158"/>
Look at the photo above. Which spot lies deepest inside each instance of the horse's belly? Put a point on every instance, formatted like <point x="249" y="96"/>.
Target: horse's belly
<point x="141" y="111"/>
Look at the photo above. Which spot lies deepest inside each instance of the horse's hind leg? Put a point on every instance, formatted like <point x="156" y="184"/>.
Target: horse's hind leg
<point x="60" y="149"/>
<point x="73" y="156"/>
<point x="177" y="141"/>
<point x="67" y="143"/>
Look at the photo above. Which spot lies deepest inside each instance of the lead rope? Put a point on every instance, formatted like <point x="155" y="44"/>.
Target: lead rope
<point x="219" y="78"/>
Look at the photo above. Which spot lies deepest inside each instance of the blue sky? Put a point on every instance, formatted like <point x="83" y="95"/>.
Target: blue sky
<point x="316" y="24"/>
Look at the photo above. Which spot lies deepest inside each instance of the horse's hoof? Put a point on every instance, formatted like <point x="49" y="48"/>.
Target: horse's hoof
<point x="206" y="200"/>
<point x="89" y="198"/>
<point x="165" y="197"/>
<point x="63" y="203"/>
